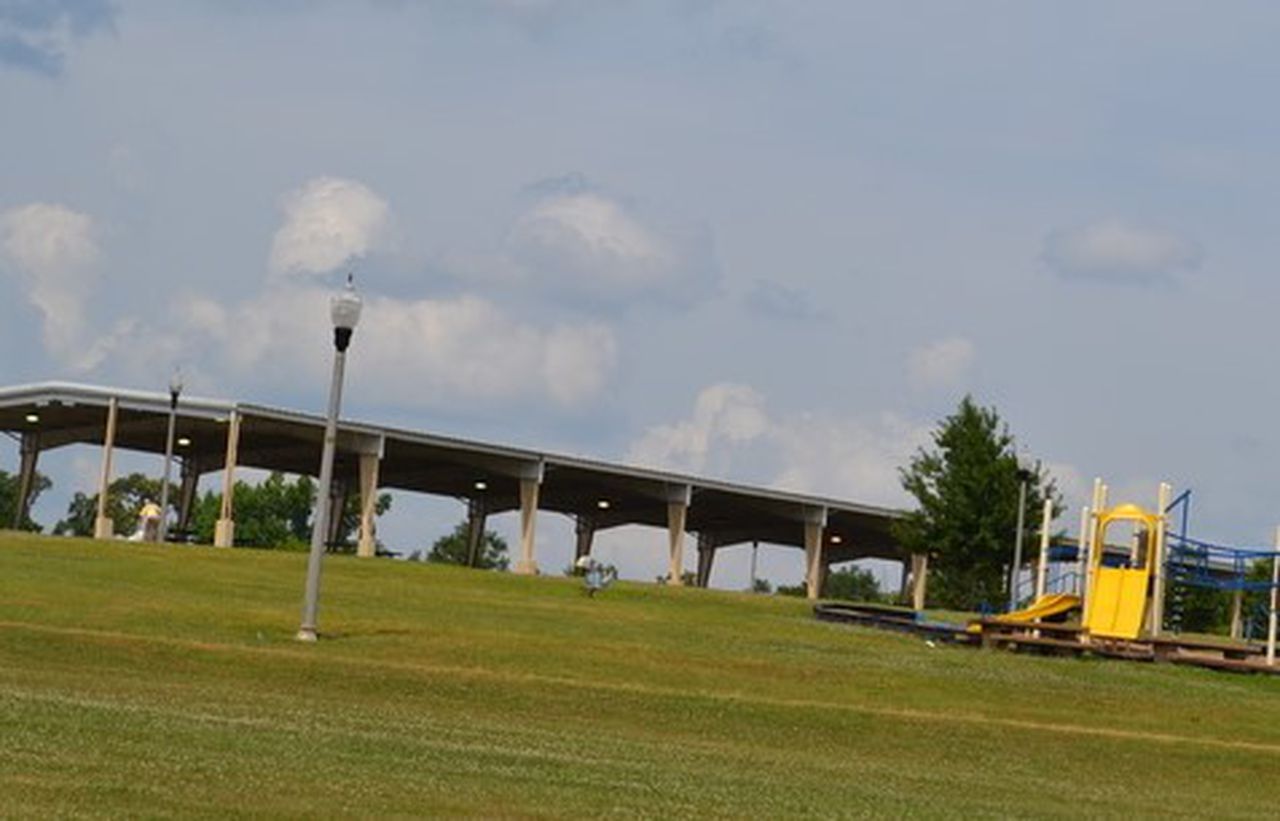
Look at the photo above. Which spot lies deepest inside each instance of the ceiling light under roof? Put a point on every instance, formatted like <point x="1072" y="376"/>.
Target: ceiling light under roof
<point x="603" y="504"/>
<point x="33" y="418"/>
<point x="836" y="538"/>
<point x="481" y="485"/>
<point x="183" y="441"/>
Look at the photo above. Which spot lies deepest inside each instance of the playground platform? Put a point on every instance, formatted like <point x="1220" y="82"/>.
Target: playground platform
<point x="1046" y="638"/>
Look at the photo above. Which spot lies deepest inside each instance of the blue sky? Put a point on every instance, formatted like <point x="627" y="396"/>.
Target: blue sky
<point x="773" y="242"/>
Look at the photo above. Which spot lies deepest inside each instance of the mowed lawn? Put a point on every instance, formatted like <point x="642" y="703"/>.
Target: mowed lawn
<point x="160" y="681"/>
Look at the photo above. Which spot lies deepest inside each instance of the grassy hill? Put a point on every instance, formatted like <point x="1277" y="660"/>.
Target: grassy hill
<point x="165" y="681"/>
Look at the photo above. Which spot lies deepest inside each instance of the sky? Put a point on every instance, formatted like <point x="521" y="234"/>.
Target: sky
<point x="762" y="241"/>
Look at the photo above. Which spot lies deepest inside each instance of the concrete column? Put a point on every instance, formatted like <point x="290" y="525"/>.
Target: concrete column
<point x="367" y="545"/>
<point x="29" y="452"/>
<point x="225" y="530"/>
<point x="1237" y="614"/>
<point x="706" y="557"/>
<point x="919" y="579"/>
<point x="477" y="516"/>
<point x="530" y="484"/>
<point x="190" y="483"/>
<point x="814" y="529"/>
<point x="103" y="526"/>
<point x="339" y="493"/>
<point x="585" y="532"/>
<point x="677" y="515"/>
<point x="904" y="587"/>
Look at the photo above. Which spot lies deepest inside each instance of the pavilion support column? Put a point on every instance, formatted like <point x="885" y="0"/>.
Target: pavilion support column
<point x="103" y="526"/>
<point x="677" y="515"/>
<point x="919" y="579"/>
<point x="339" y="493"/>
<point x="904" y="588"/>
<point x="224" y="532"/>
<point x="367" y="544"/>
<point x="29" y="452"/>
<point x="187" y="493"/>
<point x="530" y="484"/>
<point x="706" y="557"/>
<point x="814" y="530"/>
<point x="1237" y="614"/>
<point x="585" y="533"/>
<point x="477" y="517"/>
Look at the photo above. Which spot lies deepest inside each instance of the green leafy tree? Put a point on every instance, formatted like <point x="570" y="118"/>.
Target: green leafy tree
<point x="967" y="490"/>
<point x="9" y="499"/>
<point x="452" y="549"/>
<point x="125" y="498"/>
<point x="276" y="513"/>
<point x="853" y="584"/>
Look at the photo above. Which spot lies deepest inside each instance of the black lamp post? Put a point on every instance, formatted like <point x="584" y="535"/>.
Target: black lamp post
<point x="175" y="390"/>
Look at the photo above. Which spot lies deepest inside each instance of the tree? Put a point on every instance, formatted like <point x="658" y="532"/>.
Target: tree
<point x="9" y="499"/>
<point x="853" y="584"/>
<point x="276" y="513"/>
<point x="967" y="490"/>
<point x="125" y="498"/>
<point x="452" y="549"/>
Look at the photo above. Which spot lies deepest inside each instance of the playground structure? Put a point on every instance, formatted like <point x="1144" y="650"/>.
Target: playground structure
<point x="1119" y="586"/>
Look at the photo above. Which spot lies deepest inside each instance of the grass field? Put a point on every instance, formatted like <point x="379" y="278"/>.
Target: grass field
<point x="164" y="681"/>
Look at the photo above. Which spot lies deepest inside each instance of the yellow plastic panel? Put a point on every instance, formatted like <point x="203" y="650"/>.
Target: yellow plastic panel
<point x="1047" y="605"/>
<point x="1118" y="602"/>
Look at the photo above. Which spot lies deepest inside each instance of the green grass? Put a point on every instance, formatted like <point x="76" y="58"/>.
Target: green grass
<point x="165" y="681"/>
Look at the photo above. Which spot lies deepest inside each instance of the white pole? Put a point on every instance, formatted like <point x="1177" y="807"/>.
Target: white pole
<point x="1156" y="557"/>
<point x="1082" y="551"/>
<point x="1042" y="568"/>
<point x="1271" y="621"/>
<point x="1017" y="546"/>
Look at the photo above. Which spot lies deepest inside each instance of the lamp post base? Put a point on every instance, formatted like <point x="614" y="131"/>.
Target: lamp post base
<point x="306" y="634"/>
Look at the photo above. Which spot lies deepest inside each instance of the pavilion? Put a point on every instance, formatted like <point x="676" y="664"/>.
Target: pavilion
<point x="216" y="436"/>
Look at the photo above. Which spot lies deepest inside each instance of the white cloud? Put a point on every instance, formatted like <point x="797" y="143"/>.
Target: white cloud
<point x="942" y="364"/>
<point x="723" y="414"/>
<point x="328" y="222"/>
<point x="416" y="352"/>
<point x="54" y="252"/>
<point x="731" y="434"/>
<point x="1120" y="251"/>
<point x="588" y="246"/>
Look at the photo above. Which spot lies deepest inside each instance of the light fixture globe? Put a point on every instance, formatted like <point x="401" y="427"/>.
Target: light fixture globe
<point x="344" y="310"/>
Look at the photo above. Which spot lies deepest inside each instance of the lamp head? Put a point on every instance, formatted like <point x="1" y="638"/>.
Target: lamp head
<point x="175" y="382"/>
<point x="344" y="310"/>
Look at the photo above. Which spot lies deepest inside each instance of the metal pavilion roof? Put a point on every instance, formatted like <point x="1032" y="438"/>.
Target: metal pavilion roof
<point x="274" y="438"/>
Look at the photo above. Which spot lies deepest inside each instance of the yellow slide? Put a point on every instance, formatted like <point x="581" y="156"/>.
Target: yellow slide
<point x="1117" y="602"/>
<point x="1051" y="604"/>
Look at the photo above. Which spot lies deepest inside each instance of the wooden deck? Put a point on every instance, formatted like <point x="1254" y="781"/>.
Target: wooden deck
<point x="1046" y="638"/>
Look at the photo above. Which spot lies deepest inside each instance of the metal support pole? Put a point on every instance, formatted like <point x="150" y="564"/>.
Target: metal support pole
<point x="1042" y="566"/>
<point x="1275" y="586"/>
<point x="1082" y="553"/>
<point x="320" y="527"/>
<point x="168" y="466"/>
<point x="1017" y="546"/>
<point x="755" y="549"/>
<point x="1156" y="554"/>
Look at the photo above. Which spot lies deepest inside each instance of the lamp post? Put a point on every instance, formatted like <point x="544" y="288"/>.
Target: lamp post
<point x="175" y="390"/>
<point x="1024" y="479"/>
<point x="344" y="310"/>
